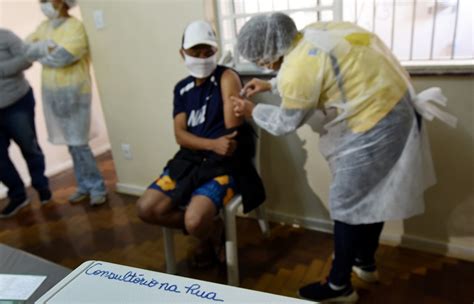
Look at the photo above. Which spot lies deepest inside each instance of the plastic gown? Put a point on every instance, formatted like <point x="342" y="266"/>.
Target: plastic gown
<point x="376" y="147"/>
<point x="66" y="82"/>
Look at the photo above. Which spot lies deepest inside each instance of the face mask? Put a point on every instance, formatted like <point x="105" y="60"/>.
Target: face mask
<point x="200" y="67"/>
<point x="49" y="11"/>
<point x="267" y="71"/>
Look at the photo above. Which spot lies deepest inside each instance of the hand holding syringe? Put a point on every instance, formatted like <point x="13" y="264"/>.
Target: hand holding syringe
<point x="241" y="105"/>
<point x="255" y="86"/>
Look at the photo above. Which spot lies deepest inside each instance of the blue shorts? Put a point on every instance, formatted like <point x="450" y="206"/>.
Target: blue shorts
<point x="219" y="190"/>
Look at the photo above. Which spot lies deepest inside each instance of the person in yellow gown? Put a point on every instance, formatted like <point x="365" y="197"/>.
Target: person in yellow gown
<point x="60" y="44"/>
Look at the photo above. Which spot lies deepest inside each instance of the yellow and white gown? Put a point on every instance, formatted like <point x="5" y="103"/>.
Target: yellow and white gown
<point x="66" y="81"/>
<point x="376" y="148"/>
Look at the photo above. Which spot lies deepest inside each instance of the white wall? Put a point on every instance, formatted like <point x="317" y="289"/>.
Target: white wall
<point x="137" y="65"/>
<point x="22" y="17"/>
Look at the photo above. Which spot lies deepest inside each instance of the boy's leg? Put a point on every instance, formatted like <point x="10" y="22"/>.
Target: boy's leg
<point x="201" y="222"/>
<point x="199" y="217"/>
<point x="204" y="206"/>
<point x="155" y="207"/>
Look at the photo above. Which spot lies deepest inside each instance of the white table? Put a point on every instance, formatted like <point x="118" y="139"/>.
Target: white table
<point x="102" y="282"/>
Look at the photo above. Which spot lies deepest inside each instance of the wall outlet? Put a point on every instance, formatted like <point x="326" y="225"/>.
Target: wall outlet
<point x="99" y="19"/>
<point x="127" y="151"/>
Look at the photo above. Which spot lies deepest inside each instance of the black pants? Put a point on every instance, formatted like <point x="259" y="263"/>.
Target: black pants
<point x="17" y="123"/>
<point x="353" y="242"/>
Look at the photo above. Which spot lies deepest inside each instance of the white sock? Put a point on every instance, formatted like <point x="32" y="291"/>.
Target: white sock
<point x="335" y="287"/>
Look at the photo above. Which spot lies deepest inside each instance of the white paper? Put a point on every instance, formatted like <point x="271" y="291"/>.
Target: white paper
<point x="18" y="287"/>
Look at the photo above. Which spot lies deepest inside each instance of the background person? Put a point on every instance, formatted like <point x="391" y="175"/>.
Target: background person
<point x="60" y="45"/>
<point x="17" y="123"/>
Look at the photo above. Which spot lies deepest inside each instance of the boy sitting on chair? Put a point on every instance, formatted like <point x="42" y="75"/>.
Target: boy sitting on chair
<point x="216" y="150"/>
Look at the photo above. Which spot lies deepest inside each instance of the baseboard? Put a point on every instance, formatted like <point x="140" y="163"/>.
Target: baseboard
<point x="406" y="241"/>
<point x="129" y="189"/>
<point x="58" y="168"/>
<point x="308" y="223"/>
<point x="429" y="245"/>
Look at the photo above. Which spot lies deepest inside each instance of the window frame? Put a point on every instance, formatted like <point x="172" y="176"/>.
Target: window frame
<point x="414" y="67"/>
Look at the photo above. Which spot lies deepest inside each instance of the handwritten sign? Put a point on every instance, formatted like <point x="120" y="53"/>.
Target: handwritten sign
<point x="132" y="277"/>
<point x="102" y="282"/>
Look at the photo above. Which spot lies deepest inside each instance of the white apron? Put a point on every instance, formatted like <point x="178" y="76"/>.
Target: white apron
<point x="396" y="193"/>
<point x="66" y="82"/>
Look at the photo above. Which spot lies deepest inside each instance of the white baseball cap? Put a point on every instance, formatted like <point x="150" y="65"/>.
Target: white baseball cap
<point x="199" y="32"/>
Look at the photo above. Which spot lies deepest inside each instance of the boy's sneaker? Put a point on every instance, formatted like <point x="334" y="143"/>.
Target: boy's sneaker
<point x="323" y="293"/>
<point x="77" y="197"/>
<point x="98" y="200"/>
<point x="45" y="196"/>
<point x="13" y="207"/>
<point x="369" y="275"/>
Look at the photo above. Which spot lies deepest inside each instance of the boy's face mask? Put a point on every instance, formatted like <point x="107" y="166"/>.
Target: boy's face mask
<point x="270" y="66"/>
<point x="200" y="67"/>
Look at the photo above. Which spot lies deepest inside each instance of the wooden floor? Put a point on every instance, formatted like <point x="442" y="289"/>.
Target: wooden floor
<point x="291" y="257"/>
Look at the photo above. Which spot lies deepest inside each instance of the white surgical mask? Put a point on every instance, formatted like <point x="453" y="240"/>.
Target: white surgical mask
<point x="49" y="10"/>
<point x="267" y="70"/>
<point x="200" y="67"/>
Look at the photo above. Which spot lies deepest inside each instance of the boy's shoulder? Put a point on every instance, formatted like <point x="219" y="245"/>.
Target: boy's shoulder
<point x="188" y="83"/>
<point x="184" y="85"/>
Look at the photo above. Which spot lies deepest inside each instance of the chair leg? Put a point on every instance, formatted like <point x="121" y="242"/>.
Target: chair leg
<point x="262" y="221"/>
<point x="169" y="250"/>
<point x="231" y="251"/>
<point x="232" y="259"/>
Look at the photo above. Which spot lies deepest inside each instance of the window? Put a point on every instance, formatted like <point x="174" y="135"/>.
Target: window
<point x="233" y="14"/>
<point x="421" y="33"/>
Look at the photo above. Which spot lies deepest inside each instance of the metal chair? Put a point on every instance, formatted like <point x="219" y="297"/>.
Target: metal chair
<point x="229" y="213"/>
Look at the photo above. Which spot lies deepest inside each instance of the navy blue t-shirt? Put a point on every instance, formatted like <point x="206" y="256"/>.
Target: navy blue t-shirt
<point x="202" y="104"/>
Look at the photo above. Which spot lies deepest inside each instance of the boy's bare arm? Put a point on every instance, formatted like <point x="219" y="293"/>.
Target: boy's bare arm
<point x="230" y="86"/>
